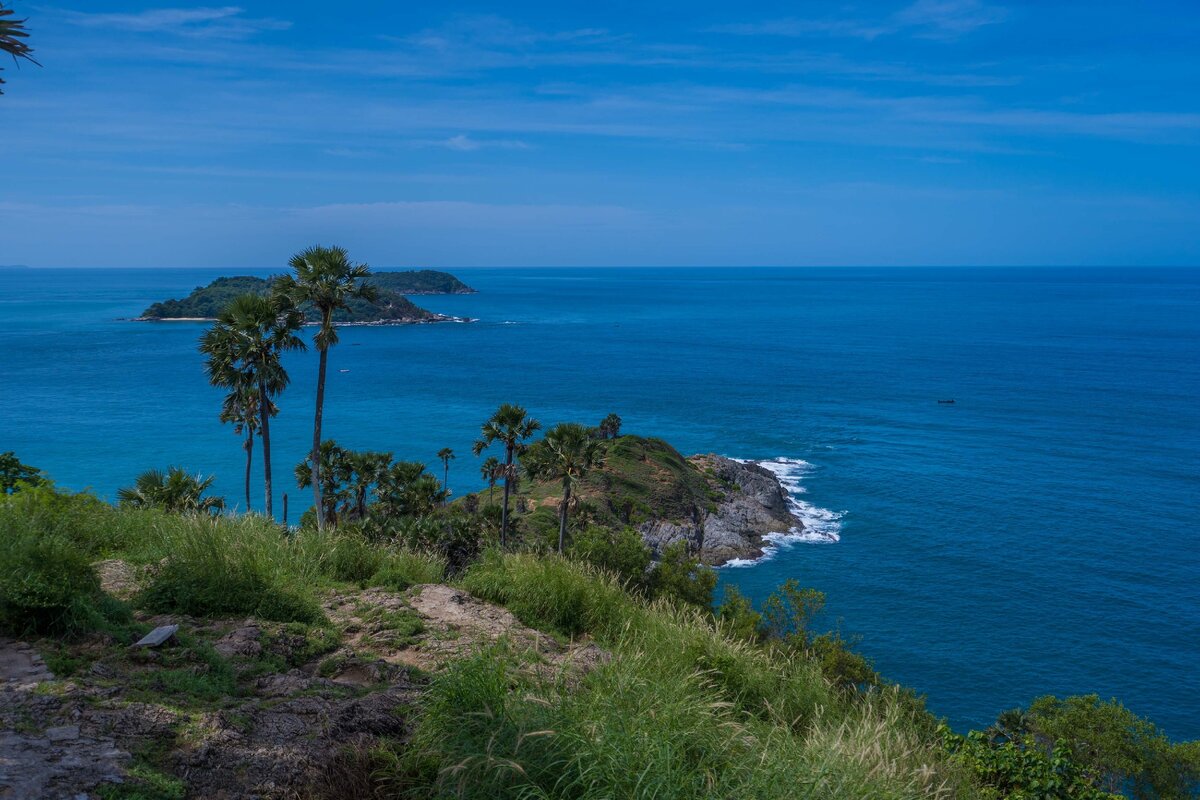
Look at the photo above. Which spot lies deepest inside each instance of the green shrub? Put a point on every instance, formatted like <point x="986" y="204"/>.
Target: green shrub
<point x="1021" y="770"/>
<point x="619" y="551"/>
<point x="841" y="666"/>
<point x="1117" y="748"/>
<point x="737" y="616"/>
<point x="15" y="475"/>
<point x="681" y="578"/>
<point x="789" y="612"/>
<point x="46" y="585"/>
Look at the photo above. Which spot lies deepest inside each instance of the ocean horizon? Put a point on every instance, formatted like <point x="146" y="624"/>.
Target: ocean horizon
<point x="1037" y="536"/>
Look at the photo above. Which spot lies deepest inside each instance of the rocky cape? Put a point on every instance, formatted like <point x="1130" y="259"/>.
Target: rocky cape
<point x="722" y="509"/>
<point x="753" y="504"/>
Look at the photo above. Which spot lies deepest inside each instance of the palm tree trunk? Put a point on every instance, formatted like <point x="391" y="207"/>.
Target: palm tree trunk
<point x="445" y="481"/>
<point x="562" y="515"/>
<point x="264" y="410"/>
<point x="249" y="457"/>
<point x="316" y="448"/>
<point x="508" y="456"/>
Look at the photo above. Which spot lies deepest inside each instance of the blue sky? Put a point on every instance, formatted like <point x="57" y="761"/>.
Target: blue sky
<point x="926" y="132"/>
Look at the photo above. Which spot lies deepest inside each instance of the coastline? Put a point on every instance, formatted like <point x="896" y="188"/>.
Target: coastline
<point x="753" y="513"/>
<point x="376" y="323"/>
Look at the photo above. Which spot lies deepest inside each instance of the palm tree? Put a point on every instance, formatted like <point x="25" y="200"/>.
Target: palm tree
<point x="245" y="347"/>
<point x="175" y="491"/>
<point x="406" y="490"/>
<point x="326" y="280"/>
<point x="446" y="455"/>
<point x="610" y="426"/>
<point x="366" y="470"/>
<point x="512" y="426"/>
<point x="567" y="453"/>
<point x="490" y="470"/>
<point x="240" y="408"/>
<point x="12" y="31"/>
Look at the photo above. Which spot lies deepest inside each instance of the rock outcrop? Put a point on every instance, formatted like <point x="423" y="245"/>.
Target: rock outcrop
<point x="753" y="504"/>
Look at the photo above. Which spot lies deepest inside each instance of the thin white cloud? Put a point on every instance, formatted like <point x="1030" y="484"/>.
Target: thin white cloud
<point x="224" y="21"/>
<point x="949" y="19"/>
<point x="466" y="144"/>
<point x="932" y="19"/>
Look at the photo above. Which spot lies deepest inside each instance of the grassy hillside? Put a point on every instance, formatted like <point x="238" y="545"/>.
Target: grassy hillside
<point x="326" y="666"/>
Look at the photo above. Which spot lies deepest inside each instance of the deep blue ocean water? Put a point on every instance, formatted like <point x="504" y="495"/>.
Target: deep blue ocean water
<point x="1038" y="536"/>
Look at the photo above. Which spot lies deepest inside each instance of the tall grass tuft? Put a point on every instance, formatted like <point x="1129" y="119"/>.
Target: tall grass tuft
<point x="233" y="566"/>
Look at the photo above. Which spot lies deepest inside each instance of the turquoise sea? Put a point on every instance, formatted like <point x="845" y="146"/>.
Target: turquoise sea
<point x="1038" y="536"/>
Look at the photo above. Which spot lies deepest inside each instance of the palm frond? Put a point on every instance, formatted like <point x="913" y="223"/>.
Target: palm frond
<point x="12" y="32"/>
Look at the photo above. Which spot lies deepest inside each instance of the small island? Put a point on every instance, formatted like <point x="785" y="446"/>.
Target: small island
<point x="390" y="307"/>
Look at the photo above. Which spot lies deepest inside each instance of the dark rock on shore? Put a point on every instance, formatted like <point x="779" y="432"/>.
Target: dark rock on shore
<point x="753" y="504"/>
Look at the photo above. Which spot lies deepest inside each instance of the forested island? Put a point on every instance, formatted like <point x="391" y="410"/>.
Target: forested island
<point x="390" y="306"/>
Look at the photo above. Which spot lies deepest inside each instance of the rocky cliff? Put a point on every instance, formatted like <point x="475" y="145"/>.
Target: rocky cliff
<point x="752" y="504"/>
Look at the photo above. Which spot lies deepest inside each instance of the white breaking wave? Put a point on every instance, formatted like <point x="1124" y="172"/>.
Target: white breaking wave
<point x="821" y="526"/>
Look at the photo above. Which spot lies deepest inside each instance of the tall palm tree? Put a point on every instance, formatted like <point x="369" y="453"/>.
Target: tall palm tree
<point x="511" y="426"/>
<point x="240" y="408"/>
<point x="490" y="470"/>
<point x="245" y="347"/>
<point x="12" y="31"/>
<point x="567" y="453"/>
<point x="326" y="280"/>
<point x="446" y="455"/>
<point x="175" y="491"/>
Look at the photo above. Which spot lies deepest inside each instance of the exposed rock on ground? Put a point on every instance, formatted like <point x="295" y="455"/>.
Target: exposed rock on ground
<point x="46" y="749"/>
<point x="293" y="699"/>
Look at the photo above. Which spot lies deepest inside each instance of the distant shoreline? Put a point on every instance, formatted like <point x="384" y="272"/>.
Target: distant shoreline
<point x="374" y="323"/>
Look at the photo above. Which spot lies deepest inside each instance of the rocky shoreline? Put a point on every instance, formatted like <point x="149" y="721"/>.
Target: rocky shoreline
<point x="753" y="504"/>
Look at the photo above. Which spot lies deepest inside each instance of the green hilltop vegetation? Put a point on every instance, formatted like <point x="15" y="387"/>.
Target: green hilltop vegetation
<point x="640" y="479"/>
<point x="521" y="642"/>
<point x="390" y="305"/>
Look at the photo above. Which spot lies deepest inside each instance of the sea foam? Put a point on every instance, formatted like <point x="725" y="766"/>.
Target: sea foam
<point x="820" y="525"/>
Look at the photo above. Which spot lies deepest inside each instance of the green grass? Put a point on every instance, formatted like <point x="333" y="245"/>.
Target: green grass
<point x="189" y="672"/>
<point x="682" y="711"/>
<point x="144" y="782"/>
<point x="228" y="566"/>
<point x="232" y="567"/>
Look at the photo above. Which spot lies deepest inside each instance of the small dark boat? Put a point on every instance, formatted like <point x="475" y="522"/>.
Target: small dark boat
<point x="945" y="402"/>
